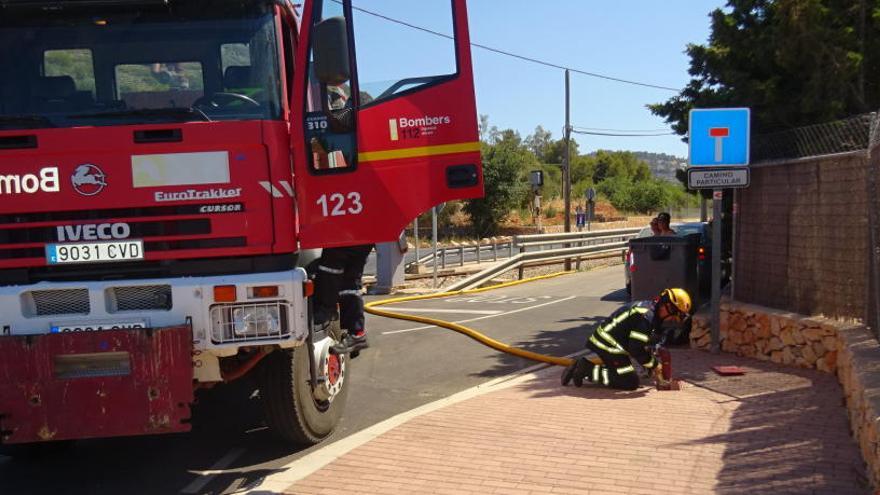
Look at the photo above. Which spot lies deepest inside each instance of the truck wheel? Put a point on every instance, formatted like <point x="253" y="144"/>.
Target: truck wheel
<point x="292" y="409"/>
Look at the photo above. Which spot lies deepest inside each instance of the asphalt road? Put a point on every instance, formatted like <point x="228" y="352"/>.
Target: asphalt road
<point x="406" y="366"/>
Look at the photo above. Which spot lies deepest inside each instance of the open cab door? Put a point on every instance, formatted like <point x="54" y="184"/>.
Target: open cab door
<point x="389" y="123"/>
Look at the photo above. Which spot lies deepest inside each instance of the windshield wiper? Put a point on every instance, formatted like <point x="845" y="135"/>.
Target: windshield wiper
<point x="179" y="112"/>
<point x="26" y="120"/>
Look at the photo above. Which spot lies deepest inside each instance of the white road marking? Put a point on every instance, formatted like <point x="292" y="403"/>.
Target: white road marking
<point x="300" y="468"/>
<point x="481" y="317"/>
<point x="462" y="311"/>
<point x="207" y="476"/>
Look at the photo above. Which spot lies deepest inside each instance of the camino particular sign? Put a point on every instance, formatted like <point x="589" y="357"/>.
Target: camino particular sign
<point x="718" y="178"/>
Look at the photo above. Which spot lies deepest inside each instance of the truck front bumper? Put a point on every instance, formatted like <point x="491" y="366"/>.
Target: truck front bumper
<point x="99" y="384"/>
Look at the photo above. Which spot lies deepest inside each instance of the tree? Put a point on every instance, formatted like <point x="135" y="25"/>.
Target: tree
<point x="539" y="142"/>
<point x="619" y="164"/>
<point x="556" y="150"/>
<point x="794" y="62"/>
<point x="504" y="164"/>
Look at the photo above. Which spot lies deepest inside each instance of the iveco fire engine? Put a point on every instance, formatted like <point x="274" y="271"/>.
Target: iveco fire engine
<point x="166" y="167"/>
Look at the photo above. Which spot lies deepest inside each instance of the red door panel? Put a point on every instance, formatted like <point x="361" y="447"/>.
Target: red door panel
<point x="414" y="150"/>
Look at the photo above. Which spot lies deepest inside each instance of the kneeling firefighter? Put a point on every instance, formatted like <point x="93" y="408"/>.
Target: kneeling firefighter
<point x="629" y="333"/>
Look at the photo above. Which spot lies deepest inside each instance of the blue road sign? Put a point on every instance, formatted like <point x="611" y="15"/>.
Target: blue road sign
<point x="719" y="137"/>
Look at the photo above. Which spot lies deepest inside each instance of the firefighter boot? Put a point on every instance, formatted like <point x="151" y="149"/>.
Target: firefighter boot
<point x="577" y="372"/>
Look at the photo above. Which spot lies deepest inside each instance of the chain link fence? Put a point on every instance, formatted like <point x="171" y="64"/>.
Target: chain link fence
<point x="808" y="227"/>
<point x="873" y="303"/>
<point x="840" y="136"/>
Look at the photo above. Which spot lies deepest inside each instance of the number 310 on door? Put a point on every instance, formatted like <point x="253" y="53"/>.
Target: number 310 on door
<point x="337" y="204"/>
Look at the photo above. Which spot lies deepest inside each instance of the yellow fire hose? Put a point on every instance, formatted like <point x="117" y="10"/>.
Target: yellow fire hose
<point x="470" y="332"/>
<point x="488" y="341"/>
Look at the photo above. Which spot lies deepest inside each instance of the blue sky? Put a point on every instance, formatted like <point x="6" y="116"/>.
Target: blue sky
<point x="641" y="40"/>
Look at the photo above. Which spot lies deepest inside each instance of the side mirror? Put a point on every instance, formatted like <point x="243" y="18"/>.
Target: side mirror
<point x="330" y="51"/>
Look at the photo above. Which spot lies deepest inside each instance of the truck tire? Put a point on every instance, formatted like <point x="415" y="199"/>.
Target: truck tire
<point x="291" y="409"/>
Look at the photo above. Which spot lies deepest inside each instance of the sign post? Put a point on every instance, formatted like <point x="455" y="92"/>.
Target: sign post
<point x="590" y="194"/>
<point x="718" y="159"/>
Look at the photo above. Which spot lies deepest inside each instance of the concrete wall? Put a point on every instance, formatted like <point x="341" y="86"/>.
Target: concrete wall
<point x="802" y="238"/>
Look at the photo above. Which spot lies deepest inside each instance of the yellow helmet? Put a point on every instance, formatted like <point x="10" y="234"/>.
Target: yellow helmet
<point x="679" y="298"/>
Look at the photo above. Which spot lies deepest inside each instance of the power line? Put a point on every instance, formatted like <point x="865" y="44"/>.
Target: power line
<point x="514" y="55"/>
<point x="574" y="127"/>
<point x="591" y="133"/>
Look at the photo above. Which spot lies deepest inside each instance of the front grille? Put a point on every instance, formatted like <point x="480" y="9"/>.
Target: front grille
<point x="150" y="246"/>
<point x="56" y="302"/>
<point x="84" y="215"/>
<point x="139" y="298"/>
<point x="138" y="230"/>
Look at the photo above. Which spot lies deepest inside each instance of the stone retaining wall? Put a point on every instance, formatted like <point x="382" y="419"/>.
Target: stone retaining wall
<point x="845" y="349"/>
<point x="772" y="335"/>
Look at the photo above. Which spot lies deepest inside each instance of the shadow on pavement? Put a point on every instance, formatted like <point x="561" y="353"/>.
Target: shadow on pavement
<point x="550" y="342"/>
<point x="224" y="418"/>
<point x="788" y="430"/>
<point x="619" y="295"/>
<point x="588" y="391"/>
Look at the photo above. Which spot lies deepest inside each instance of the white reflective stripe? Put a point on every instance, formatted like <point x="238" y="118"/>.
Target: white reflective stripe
<point x="640" y="310"/>
<point x="616" y="321"/>
<point x="607" y="338"/>
<point x="596" y="373"/>
<point x="611" y="341"/>
<point x="350" y="292"/>
<point x="334" y="271"/>
<point x="287" y="187"/>
<point x="638" y="336"/>
<point x="625" y="369"/>
<point x="600" y="345"/>
<point x="605" y="380"/>
<point x="651" y="363"/>
<point x="271" y="189"/>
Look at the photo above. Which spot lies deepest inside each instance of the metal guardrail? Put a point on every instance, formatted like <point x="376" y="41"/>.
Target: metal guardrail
<point x="573" y="239"/>
<point x="493" y="248"/>
<point x="610" y="247"/>
<point x="479" y="248"/>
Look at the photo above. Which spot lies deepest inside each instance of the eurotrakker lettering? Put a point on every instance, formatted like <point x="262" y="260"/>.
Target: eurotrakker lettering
<point x="46" y="180"/>
<point x="197" y="195"/>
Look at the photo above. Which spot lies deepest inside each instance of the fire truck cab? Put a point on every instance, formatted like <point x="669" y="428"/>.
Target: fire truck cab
<point x="168" y="169"/>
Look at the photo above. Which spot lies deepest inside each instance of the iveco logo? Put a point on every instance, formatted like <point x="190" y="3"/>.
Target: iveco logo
<point x="88" y="179"/>
<point x="93" y="232"/>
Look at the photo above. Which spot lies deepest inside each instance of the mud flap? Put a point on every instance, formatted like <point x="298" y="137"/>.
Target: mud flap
<point x="69" y="386"/>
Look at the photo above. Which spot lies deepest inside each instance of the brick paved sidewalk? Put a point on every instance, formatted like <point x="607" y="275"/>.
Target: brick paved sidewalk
<point x="773" y="430"/>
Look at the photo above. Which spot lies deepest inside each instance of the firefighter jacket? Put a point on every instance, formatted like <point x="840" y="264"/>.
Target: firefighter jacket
<point x="626" y="333"/>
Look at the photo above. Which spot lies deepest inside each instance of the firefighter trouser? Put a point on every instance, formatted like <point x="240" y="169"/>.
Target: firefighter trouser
<point x="338" y="280"/>
<point x="617" y="371"/>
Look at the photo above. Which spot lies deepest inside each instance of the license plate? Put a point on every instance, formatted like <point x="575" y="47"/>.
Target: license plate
<point x="94" y="252"/>
<point x="97" y="327"/>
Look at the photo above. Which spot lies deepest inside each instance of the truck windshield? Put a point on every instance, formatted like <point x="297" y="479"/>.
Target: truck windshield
<point x="198" y="61"/>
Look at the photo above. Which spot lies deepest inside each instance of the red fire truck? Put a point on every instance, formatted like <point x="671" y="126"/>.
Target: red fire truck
<point x="168" y="169"/>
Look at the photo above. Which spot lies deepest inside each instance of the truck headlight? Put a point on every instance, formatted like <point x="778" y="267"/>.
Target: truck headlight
<point x="256" y="321"/>
<point x="248" y="322"/>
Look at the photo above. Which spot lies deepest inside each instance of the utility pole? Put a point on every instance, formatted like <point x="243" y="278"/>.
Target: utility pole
<point x="566" y="165"/>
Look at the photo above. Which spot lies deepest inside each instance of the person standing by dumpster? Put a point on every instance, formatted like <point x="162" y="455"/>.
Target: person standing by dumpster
<point x="627" y="335"/>
<point x="663" y="227"/>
